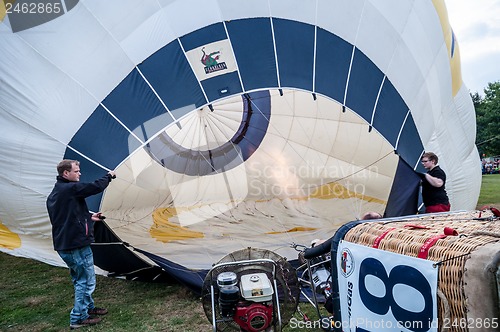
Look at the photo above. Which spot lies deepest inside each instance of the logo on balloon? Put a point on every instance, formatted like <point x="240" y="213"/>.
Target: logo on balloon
<point x="210" y="61"/>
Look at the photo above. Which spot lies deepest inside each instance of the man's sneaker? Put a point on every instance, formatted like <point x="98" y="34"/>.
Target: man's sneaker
<point x="89" y="321"/>
<point x="98" y="311"/>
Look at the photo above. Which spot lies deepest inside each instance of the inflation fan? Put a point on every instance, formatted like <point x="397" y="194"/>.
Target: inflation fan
<point x="250" y="290"/>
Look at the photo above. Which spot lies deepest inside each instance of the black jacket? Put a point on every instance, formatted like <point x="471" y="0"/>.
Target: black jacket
<point x="72" y="226"/>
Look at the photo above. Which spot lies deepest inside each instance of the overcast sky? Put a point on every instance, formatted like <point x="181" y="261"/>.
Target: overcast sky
<point x="476" y="24"/>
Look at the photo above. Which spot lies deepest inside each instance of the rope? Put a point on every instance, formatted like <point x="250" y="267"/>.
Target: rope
<point x="449" y="259"/>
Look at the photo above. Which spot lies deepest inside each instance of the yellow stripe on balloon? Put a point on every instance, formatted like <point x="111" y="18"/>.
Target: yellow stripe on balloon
<point x="165" y="231"/>
<point x="3" y="11"/>
<point x="333" y="190"/>
<point x="8" y="239"/>
<point x="456" y="70"/>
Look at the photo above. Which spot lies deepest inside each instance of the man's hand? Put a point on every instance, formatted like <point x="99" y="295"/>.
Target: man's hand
<point x="98" y="216"/>
<point x="112" y="173"/>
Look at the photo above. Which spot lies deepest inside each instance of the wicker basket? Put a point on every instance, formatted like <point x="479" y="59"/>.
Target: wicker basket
<point x="407" y="237"/>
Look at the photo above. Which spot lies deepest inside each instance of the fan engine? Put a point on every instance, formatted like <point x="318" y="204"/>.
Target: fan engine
<point x="250" y="290"/>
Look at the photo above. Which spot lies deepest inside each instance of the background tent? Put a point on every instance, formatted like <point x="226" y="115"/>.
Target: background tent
<point x="229" y="123"/>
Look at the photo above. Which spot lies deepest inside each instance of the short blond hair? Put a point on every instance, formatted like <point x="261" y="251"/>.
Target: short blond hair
<point x="66" y="165"/>
<point x="431" y="156"/>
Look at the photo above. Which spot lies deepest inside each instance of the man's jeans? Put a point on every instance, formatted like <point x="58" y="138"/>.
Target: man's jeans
<point x="81" y="267"/>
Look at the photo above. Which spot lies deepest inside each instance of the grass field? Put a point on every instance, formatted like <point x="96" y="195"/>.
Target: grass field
<point x="37" y="297"/>
<point x="490" y="191"/>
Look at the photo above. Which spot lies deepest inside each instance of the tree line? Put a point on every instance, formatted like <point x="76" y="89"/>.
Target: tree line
<point x="488" y="120"/>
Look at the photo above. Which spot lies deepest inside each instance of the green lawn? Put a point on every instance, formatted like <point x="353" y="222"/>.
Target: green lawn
<point x="38" y="297"/>
<point x="490" y="191"/>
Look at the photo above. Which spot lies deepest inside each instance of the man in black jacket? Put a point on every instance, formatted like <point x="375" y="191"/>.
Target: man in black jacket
<point x="72" y="234"/>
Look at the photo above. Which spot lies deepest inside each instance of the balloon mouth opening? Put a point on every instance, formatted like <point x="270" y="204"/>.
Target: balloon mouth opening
<point x="215" y="122"/>
<point x="214" y="138"/>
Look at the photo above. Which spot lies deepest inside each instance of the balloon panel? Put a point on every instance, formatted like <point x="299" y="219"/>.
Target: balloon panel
<point x="333" y="54"/>
<point x="295" y="51"/>
<point x="102" y="138"/>
<point x="134" y="103"/>
<point x="365" y="80"/>
<point x="166" y="76"/>
<point x="390" y="113"/>
<point x="255" y="52"/>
